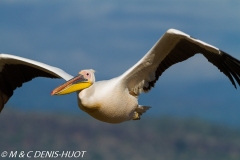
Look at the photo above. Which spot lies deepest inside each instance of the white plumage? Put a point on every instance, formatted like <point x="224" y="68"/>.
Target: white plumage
<point x="116" y="100"/>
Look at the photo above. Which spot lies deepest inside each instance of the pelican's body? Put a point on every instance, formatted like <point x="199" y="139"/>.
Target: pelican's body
<point x="116" y="100"/>
<point x="95" y="101"/>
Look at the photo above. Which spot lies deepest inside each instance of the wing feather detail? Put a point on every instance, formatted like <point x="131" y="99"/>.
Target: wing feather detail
<point x="14" y="71"/>
<point x="174" y="47"/>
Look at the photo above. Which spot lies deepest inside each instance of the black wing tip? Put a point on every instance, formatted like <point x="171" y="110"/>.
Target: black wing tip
<point x="233" y="66"/>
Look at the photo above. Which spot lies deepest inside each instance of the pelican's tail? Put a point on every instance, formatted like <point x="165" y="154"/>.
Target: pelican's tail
<point x="139" y="111"/>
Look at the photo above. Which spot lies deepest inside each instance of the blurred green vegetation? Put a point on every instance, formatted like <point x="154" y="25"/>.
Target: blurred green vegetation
<point x="165" y="138"/>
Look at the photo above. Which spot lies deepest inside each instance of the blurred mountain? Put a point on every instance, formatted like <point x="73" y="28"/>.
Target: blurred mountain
<point x="150" y="138"/>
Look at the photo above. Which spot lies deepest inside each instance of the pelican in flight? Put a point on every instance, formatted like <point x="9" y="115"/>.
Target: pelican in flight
<point x="116" y="100"/>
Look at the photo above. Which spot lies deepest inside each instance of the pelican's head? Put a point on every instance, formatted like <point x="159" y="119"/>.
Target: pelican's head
<point x="84" y="79"/>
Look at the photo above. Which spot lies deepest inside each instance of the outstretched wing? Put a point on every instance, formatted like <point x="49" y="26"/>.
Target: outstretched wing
<point x="173" y="47"/>
<point x="14" y="71"/>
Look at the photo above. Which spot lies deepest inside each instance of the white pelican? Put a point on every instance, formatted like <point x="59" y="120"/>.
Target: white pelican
<point x="116" y="100"/>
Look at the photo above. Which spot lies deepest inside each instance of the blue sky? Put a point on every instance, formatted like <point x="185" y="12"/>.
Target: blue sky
<point x="111" y="36"/>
